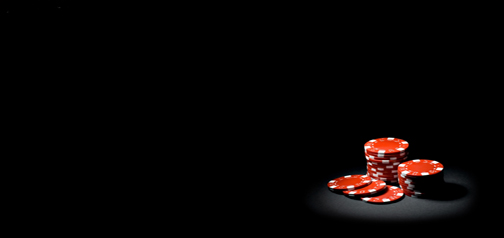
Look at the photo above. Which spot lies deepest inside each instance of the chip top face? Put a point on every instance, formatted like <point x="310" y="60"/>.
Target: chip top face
<point x="372" y="188"/>
<point x="420" y="167"/>
<point x="349" y="182"/>
<point x="388" y="145"/>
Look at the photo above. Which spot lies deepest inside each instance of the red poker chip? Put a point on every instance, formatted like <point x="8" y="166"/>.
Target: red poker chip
<point x="383" y="167"/>
<point x="385" y="162"/>
<point x="420" y="167"/>
<point x="413" y="194"/>
<point x="407" y="186"/>
<point x="406" y="181"/>
<point x="381" y="155"/>
<point x="380" y="175"/>
<point x="387" y="145"/>
<point x="374" y="187"/>
<point x="393" y="193"/>
<point x="388" y="157"/>
<point x="386" y="153"/>
<point x="382" y="172"/>
<point x="349" y="182"/>
<point x="390" y="180"/>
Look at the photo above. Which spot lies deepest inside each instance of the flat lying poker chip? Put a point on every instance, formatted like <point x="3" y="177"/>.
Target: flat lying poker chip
<point x="419" y="167"/>
<point x="349" y="182"/>
<point x="374" y="187"/>
<point x="393" y="193"/>
<point x="388" y="145"/>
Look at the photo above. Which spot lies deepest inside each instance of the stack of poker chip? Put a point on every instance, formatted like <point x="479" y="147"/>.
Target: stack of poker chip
<point x="421" y="177"/>
<point x="383" y="157"/>
<point x="362" y="187"/>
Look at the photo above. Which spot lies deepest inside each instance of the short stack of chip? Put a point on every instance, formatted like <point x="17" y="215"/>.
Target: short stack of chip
<point x="421" y="177"/>
<point x="383" y="156"/>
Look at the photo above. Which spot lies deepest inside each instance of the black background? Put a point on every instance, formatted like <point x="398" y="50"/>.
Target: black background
<point x="39" y="8"/>
<point x="307" y="89"/>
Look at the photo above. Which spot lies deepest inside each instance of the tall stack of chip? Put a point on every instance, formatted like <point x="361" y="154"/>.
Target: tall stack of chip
<point x="421" y="177"/>
<point x="383" y="157"/>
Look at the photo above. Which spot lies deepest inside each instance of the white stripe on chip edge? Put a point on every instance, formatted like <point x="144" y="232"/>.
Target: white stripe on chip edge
<point x="424" y="174"/>
<point x="348" y="176"/>
<point x="366" y="199"/>
<point x="390" y="138"/>
<point x="439" y="169"/>
<point x="350" y="187"/>
<point x="386" y="200"/>
<point x="372" y="190"/>
<point x="416" y="160"/>
<point x="402" y="165"/>
<point x="400" y="194"/>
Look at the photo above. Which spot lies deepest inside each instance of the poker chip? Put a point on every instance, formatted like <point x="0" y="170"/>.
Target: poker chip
<point x="420" y="167"/>
<point x="421" y="177"/>
<point x="382" y="171"/>
<point x="396" y="163"/>
<point x="372" y="188"/>
<point x="389" y="145"/>
<point x="386" y="175"/>
<point x="388" y="157"/>
<point x="349" y="182"/>
<point x="385" y="162"/>
<point x="392" y="193"/>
